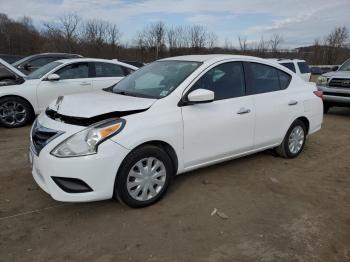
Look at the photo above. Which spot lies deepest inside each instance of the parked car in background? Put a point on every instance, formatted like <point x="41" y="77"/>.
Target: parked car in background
<point x="31" y="63"/>
<point x="10" y="58"/>
<point x="169" y="117"/>
<point x="336" y="86"/>
<point x="322" y="69"/>
<point x="10" y="75"/>
<point x="300" y="67"/>
<point x="134" y="63"/>
<point x="19" y="103"/>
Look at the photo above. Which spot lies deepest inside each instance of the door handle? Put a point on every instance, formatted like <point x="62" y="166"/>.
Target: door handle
<point x="243" y="111"/>
<point x="85" y="84"/>
<point x="293" y="103"/>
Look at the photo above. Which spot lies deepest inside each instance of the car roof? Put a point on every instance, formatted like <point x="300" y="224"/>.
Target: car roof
<point x="210" y="58"/>
<point x="285" y="60"/>
<point x="56" y="54"/>
<point x="83" y="59"/>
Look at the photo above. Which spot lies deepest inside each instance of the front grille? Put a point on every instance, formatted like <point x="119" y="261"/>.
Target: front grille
<point x="339" y="82"/>
<point x="41" y="136"/>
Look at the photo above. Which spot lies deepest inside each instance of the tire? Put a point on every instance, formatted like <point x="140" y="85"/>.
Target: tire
<point x="133" y="174"/>
<point x="284" y="149"/>
<point x="326" y="108"/>
<point x="15" y="112"/>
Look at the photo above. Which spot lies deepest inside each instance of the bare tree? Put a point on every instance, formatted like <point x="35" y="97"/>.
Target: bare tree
<point x="158" y="32"/>
<point x="198" y="36"/>
<point x="275" y="42"/>
<point x="334" y="42"/>
<point x="153" y="37"/>
<point x="69" y="26"/>
<point x="262" y="46"/>
<point x="338" y="37"/>
<point x="242" y="41"/>
<point x="212" y="39"/>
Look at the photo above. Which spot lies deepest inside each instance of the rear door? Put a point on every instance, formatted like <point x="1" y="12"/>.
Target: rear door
<point x="106" y="74"/>
<point x="275" y="104"/>
<point x="74" y="78"/>
<point x="224" y="127"/>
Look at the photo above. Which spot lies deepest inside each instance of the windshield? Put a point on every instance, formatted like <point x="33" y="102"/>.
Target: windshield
<point x="39" y="73"/>
<point x="345" y="66"/>
<point x="155" y="80"/>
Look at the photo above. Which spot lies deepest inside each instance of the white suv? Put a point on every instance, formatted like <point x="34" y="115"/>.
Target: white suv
<point x="169" y="117"/>
<point x="22" y="97"/>
<point x="300" y="67"/>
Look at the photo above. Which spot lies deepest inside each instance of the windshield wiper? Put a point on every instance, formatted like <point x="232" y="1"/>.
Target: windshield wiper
<point x="123" y="93"/>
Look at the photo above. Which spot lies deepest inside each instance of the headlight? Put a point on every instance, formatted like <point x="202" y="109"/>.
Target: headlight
<point x="86" y="142"/>
<point x="322" y="80"/>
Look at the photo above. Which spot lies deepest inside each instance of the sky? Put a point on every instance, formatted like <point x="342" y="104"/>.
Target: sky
<point x="299" y="22"/>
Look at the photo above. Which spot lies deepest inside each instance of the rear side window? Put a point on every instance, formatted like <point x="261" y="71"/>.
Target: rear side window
<point x="263" y="79"/>
<point x="225" y="80"/>
<point x="108" y="70"/>
<point x="304" y="68"/>
<point x="290" y="66"/>
<point x="284" y="79"/>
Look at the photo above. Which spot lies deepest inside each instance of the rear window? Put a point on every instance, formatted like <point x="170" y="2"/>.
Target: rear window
<point x="304" y="67"/>
<point x="290" y="66"/>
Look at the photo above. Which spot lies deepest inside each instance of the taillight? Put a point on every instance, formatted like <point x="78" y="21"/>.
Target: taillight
<point x="319" y="94"/>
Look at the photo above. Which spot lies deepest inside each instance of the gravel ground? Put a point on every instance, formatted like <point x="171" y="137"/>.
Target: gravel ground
<point x="277" y="210"/>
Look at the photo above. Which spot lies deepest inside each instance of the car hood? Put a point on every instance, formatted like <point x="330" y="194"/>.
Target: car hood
<point x="12" y="69"/>
<point x="93" y="104"/>
<point x="340" y="74"/>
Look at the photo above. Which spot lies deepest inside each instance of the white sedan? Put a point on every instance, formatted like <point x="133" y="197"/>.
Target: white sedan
<point x="169" y="117"/>
<point x="22" y="97"/>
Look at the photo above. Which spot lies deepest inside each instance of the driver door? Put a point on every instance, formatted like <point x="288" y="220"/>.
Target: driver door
<point x="222" y="128"/>
<point x="74" y="78"/>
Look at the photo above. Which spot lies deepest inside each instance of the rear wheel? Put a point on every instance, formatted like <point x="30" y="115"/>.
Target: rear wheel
<point x="144" y="176"/>
<point x="15" y="112"/>
<point x="294" y="141"/>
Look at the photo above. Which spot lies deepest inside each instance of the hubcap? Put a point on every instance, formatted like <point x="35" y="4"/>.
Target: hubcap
<point x="12" y="113"/>
<point x="296" y="139"/>
<point x="146" y="179"/>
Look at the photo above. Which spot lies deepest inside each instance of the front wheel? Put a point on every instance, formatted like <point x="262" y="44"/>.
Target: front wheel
<point x="15" y="112"/>
<point x="144" y="176"/>
<point x="294" y="141"/>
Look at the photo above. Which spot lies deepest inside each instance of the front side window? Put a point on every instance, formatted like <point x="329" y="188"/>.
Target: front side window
<point x="155" y="80"/>
<point x="290" y="66"/>
<point x="264" y="79"/>
<point x="225" y="80"/>
<point x="108" y="70"/>
<point x="304" y="68"/>
<point x="43" y="70"/>
<point x="74" y="71"/>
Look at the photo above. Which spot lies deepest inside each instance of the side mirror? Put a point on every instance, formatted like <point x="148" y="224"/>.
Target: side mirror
<point x="200" y="96"/>
<point x="335" y="68"/>
<point x="53" y="77"/>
